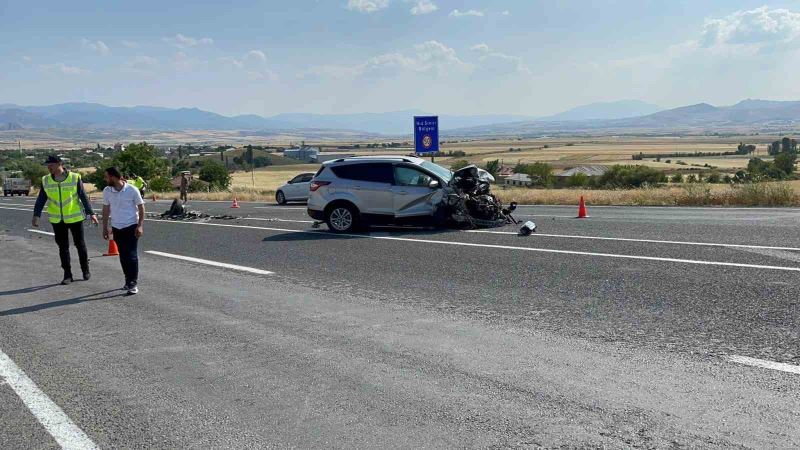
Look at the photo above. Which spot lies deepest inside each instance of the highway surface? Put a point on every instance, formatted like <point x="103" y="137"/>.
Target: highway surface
<point x="637" y="327"/>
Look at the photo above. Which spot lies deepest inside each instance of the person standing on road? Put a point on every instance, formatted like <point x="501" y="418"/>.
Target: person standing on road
<point x="123" y="203"/>
<point x="184" y="188"/>
<point x="63" y="192"/>
<point x="138" y="182"/>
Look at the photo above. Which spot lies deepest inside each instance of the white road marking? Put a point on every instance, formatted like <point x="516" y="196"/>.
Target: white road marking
<point x="52" y="418"/>
<point x="507" y="247"/>
<point x="41" y="232"/>
<point x="278" y="207"/>
<point x="277" y="220"/>
<point x="17" y="209"/>
<point x="18" y="204"/>
<point x="763" y="363"/>
<point x="211" y="263"/>
<point x="652" y="241"/>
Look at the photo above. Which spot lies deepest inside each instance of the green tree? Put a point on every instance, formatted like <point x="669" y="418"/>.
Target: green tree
<point x="785" y="162"/>
<point x="540" y="173"/>
<point x="578" y="179"/>
<point x="493" y="167"/>
<point x="676" y="178"/>
<point x="215" y="173"/>
<point x="142" y="159"/>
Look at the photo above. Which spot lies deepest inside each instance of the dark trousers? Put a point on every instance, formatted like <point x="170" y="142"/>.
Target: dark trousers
<point x="128" y="244"/>
<point x="184" y="197"/>
<point x="61" y="231"/>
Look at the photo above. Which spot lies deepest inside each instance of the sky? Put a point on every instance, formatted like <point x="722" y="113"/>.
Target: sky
<point x="529" y="57"/>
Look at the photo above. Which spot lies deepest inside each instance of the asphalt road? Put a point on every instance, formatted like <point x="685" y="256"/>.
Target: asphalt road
<point x="637" y="327"/>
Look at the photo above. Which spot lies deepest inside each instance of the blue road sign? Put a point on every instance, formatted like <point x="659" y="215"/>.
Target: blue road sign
<point x="426" y="134"/>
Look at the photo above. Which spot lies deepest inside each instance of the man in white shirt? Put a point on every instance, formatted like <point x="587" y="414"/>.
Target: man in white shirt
<point x="123" y="203"/>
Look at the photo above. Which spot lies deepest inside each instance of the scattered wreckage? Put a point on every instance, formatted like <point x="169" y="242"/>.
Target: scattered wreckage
<point x="468" y="203"/>
<point x="177" y="211"/>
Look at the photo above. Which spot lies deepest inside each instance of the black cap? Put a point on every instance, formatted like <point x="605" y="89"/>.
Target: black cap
<point x="53" y="159"/>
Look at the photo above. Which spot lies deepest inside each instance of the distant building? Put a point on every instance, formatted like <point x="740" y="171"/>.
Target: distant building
<point x="119" y="147"/>
<point x="505" y="171"/>
<point x="518" y="179"/>
<point x="303" y="153"/>
<point x="589" y="171"/>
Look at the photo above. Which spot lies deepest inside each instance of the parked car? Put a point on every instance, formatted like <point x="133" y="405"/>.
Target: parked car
<point x="295" y="190"/>
<point x="365" y="190"/>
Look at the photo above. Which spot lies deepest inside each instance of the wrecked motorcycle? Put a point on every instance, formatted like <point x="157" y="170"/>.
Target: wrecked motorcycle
<point x="468" y="202"/>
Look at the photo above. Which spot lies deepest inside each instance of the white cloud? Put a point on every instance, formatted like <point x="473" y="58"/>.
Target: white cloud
<point x="761" y="27"/>
<point x="482" y="48"/>
<point x="499" y="63"/>
<point x="142" y="65"/>
<point x="129" y="44"/>
<point x="182" y="41"/>
<point x="471" y="12"/>
<point x="253" y="64"/>
<point x="27" y="59"/>
<point x="431" y="57"/>
<point x="423" y="7"/>
<point x="63" y="69"/>
<point x="367" y="6"/>
<point x="185" y="63"/>
<point x="96" y="46"/>
<point x="506" y="13"/>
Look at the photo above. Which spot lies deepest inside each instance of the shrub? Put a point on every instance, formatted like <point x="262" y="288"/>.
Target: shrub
<point x="160" y="184"/>
<point x="198" y="186"/>
<point x="677" y="178"/>
<point x="619" y="176"/>
<point x="216" y="174"/>
<point x="578" y="180"/>
<point x="713" y="177"/>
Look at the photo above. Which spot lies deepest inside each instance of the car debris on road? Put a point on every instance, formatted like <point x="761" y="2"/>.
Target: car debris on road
<point x="468" y="202"/>
<point x="177" y="211"/>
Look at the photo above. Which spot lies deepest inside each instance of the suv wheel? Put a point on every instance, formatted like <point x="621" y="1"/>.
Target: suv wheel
<point x="280" y="198"/>
<point x="342" y="218"/>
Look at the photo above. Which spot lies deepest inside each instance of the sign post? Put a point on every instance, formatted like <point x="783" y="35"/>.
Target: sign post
<point x="426" y="135"/>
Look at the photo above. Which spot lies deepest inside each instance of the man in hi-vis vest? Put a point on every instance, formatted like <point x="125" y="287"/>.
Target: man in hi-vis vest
<point x="63" y="192"/>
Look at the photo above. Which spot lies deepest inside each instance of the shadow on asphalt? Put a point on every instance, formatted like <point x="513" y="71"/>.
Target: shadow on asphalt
<point x="65" y="302"/>
<point x="27" y="290"/>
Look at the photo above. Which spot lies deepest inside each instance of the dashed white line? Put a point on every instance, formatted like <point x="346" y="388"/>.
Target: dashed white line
<point x="211" y="263"/>
<point x="53" y="419"/>
<point x="41" y="232"/>
<point x="509" y="247"/>
<point x="763" y="363"/>
<point x="17" y="209"/>
<point x="651" y="241"/>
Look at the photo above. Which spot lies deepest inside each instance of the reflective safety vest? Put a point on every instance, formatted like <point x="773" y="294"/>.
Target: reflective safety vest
<point x="138" y="183"/>
<point x="63" y="203"/>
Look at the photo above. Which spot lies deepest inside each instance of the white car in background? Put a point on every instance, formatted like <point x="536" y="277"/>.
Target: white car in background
<point x="295" y="190"/>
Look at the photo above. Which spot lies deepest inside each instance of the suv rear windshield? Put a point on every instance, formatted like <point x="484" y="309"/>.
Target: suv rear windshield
<point x="374" y="172"/>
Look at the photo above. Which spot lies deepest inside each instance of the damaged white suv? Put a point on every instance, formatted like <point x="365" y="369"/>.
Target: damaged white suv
<point x="350" y="192"/>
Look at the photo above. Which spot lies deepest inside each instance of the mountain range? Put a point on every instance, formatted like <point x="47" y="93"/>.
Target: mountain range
<point x="93" y="116"/>
<point x="620" y="115"/>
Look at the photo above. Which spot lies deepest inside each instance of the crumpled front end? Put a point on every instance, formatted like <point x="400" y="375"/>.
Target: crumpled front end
<point x="467" y="202"/>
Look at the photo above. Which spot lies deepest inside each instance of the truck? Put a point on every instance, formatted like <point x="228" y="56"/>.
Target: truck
<point x="14" y="183"/>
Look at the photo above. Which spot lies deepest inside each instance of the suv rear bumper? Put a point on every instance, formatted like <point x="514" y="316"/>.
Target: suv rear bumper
<point x="316" y="214"/>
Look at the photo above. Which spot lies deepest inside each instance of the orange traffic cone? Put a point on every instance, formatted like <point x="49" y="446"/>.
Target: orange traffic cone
<point x="582" y="213"/>
<point x="235" y="203"/>
<point x="112" y="249"/>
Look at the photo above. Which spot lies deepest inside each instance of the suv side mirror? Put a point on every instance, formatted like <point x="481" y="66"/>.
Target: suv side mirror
<point x="434" y="184"/>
